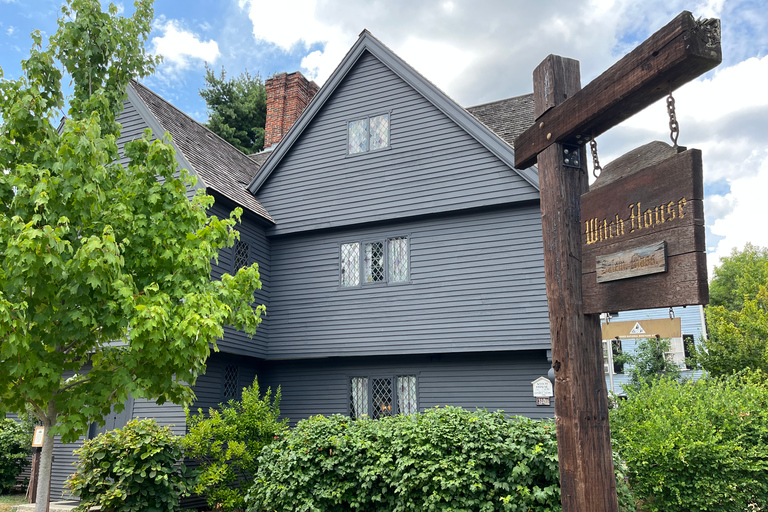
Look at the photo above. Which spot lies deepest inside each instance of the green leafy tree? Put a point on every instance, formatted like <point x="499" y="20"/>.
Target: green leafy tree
<point x="227" y="443"/>
<point x="739" y="277"/>
<point x="737" y="317"/>
<point x="648" y="362"/>
<point x="238" y="109"/>
<point x="15" y="447"/>
<point x="105" y="286"/>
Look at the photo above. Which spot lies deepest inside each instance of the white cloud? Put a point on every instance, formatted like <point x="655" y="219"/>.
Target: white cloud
<point x="10" y="31"/>
<point x="180" y="48"/>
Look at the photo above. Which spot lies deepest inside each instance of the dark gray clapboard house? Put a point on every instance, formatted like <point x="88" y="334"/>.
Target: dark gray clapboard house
<point x="400" y="250"/>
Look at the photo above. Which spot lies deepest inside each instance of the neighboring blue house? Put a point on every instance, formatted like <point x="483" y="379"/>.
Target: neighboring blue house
<point x="400" y="250"/>
<point x="693" y="326"/>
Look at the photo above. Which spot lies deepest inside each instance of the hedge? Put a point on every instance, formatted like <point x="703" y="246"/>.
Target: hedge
<point x="443" y="459"/>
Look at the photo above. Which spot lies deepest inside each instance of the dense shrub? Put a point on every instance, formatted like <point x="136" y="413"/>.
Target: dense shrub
<point x="227" y="444"/>
<point x="133" y="469"/>
<point x="15" y="447"/>
<point x="443" y="459"/>
<point x="696" y="446"/>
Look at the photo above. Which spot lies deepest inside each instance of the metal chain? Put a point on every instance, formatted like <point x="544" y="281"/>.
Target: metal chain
<point x="607" y="318"/>
<point x="674" y="127"/>
<point x="596" y="169"/>
<point x="671" y="313"/>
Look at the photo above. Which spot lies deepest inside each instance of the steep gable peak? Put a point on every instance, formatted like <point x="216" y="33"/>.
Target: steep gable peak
<point x="366" y="42"/>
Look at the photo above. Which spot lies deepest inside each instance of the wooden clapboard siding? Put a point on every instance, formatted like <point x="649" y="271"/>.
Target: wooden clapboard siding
<point x="432" y="165"/>
<point x="491" y="380"/>
<point x="252" y="232"/>
<point x="477" y="284"/>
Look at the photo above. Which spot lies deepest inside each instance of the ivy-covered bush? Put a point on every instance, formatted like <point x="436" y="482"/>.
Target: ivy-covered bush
<point x="696" y="446"/>
<point x="132" y="469"/>
<point x="15" y="447"/>
<point x="227" y="444"/>
<point x="443" y="459"/>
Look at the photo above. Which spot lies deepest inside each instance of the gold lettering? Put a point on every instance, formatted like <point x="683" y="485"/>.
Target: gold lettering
<point x="671" y="210"/>
<point x="681" y="205"/>
<point x="648" y="217"/>
<point x="634" y="219"/>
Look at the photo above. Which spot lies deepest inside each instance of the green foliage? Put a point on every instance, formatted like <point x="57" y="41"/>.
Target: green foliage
<point x="227" y="444"/>
<point x="739" y="277"/>
<point x="238" y="109"/>
<point x="95" y="252"/>
<point x="737" y="318"/>
<point x="648" y="362"/>
<point x="133" y="469"/>
<point x="15" y="447"/>
<point x="443" y="459"/>
<point x="696" y="446"/>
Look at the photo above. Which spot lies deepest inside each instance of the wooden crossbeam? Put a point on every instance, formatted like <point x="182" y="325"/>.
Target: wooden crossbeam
<point x="681" y="51"/>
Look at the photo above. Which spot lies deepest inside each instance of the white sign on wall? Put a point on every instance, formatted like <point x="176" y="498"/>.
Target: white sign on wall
<point x="542" y="388"/>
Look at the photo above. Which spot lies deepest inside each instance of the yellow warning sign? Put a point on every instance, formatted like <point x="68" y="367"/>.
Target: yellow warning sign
<point x="665" y="328"/>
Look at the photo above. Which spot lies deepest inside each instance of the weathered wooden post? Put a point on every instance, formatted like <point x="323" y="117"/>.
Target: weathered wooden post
<point x="566" y="117"/>
<point x="587" y="480"/>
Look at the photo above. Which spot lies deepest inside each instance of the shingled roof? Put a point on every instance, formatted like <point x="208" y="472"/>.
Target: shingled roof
<point x="506" y="118"/>
<point x="219" y="165"/>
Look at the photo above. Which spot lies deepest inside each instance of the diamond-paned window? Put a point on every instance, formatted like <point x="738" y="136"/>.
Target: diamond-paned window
<point x="374" y="262"/>
<point x="379" y="128"/>
<point x="358" y="136"/>
<point x="231" y="388"/>
<point x="241" y="254"/>
<point x="398" y="259"/>
<point x="381" y="398"/>
<point x="350" y="264"/>
<point x="406" y="394"/>
<point x="368" y="134"/>
<point x="358" y="400"/>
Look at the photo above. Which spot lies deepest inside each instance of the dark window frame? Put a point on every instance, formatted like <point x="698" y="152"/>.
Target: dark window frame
<point x="238" y="388"/>
<point x="235" y="266"/>
<point x="392" y="377"/>
<point x="368" y="118"/>
<point x="361" y="242"/>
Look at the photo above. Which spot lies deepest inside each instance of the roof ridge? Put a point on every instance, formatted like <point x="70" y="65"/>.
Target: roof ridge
<point x="499" y="101"/>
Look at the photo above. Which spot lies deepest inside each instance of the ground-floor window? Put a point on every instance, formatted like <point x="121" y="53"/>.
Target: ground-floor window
<point x="379" y="396"/>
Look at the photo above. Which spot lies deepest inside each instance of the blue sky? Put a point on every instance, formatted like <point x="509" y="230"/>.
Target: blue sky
<point x="479" y="51"/>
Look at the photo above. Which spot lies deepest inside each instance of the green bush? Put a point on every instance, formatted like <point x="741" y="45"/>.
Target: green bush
<point x="133" y="469"/>
<point x="443" y="459"/>
<point x="696" y="446"/>
<point x="227" y="444"/>
<point x="15" y="447"/>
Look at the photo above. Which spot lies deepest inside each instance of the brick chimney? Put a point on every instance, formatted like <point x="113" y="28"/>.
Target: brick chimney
<point x="288" y="94"/>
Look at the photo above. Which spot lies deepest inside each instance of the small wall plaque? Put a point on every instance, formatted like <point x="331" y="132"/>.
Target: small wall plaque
<point x="37" y="438"/>
<point x="542" y="388"/>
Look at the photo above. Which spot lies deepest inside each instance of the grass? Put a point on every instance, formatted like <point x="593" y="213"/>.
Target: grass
<point x="8" y="501"/>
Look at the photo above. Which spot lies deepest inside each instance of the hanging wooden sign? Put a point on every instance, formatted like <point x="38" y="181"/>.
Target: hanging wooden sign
<point x="643" y="232"/>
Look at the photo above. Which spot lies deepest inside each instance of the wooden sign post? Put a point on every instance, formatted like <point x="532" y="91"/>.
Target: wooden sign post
<point x="565" y="113"/>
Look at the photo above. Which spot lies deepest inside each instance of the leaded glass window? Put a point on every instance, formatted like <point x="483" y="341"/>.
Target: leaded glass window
<point x="406" y="394"/>
<point x="377" y="397"/>
<point x="381" y="394"/>
<point x="379" y="128"/>
<point x="358" y="136"/>
<point x="241" y="254"/>
<point x="374" y="262"/>
<point x="350" y="264"/>
<point x="231" y="387"/>
<point x="398" y="259"/>
<point x="358" y="400"/>
<point x="368" y="134"/>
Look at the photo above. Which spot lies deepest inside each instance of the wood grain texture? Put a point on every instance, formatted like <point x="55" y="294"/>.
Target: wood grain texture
<point x="581" y="407"/>
<point x="681" y="51"/>
<point x="640" y="261"/>
<point x="663" y="192"/>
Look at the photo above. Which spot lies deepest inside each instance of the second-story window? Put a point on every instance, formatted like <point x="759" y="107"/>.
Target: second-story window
<point x="379" y="261"/>
<point x="368" y="134"/>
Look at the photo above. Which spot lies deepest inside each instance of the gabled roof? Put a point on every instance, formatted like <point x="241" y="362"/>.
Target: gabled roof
<point x="217" y="164"/>
<point x="506" y="118"/>
<point x="366" y="42"/>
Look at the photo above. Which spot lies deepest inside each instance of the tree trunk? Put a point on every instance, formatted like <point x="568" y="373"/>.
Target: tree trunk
<point x="46" y="461"/>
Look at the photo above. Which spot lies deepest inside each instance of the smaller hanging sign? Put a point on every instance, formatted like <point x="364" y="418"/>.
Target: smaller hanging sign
<point x="636" y="329"/>
<point x="542" y="388"/>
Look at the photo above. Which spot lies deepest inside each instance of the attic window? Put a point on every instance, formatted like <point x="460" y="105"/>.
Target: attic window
<point x="368" y="134"/>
